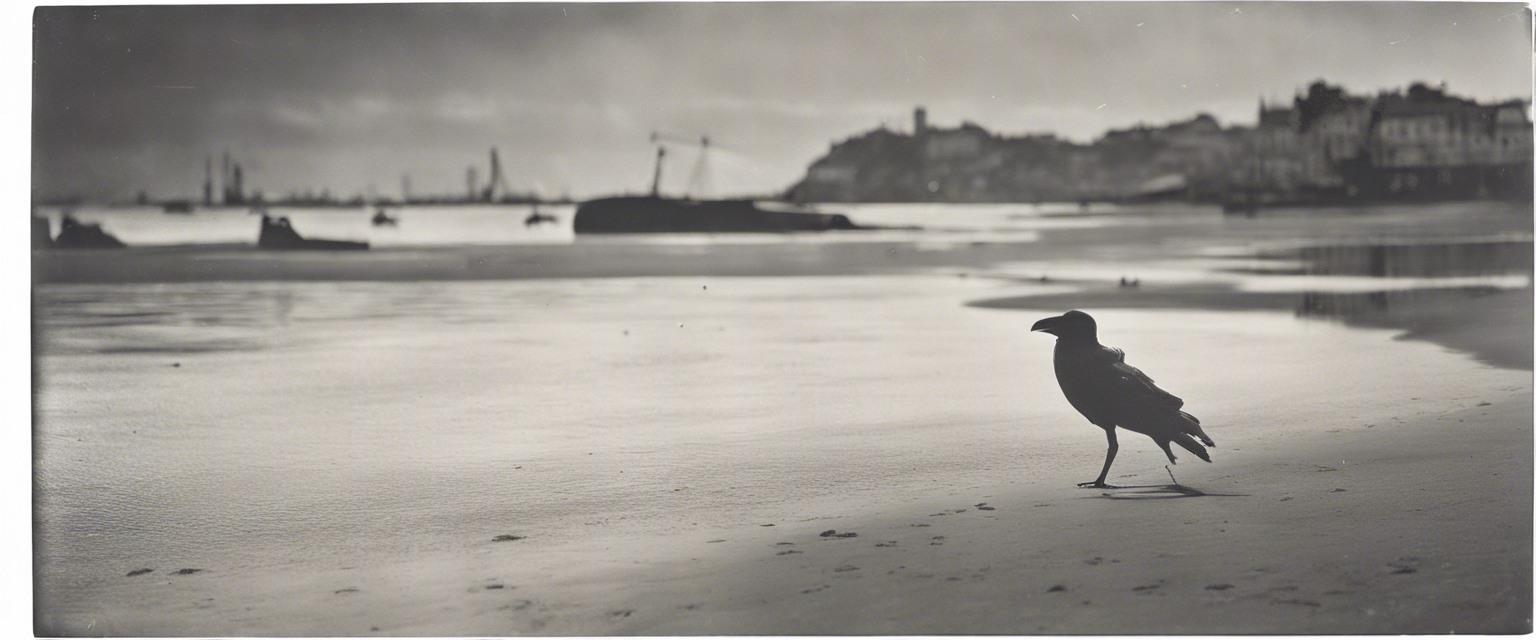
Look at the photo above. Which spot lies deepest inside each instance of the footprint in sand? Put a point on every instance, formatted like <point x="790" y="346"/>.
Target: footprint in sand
<point x="347" y="590"/>
<point x="622" y="613"/>
<point x="920" y="525"/>
<point x="138" y="572"/>
<point x="888" y="543"/>
<point x="832" y="533"/>
<point x="1218" y="587"/>
<point x="814" y="590"/>
<point x="1056" y="589"/>
<point x="1402" y="568"/>
<point x="1147" y="588"/>
<point x="186" y="572"/>
<point x="845" y="568"/>
<point x="786" y="552"/>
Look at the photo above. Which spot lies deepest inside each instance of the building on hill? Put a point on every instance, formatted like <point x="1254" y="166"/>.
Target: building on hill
<point x="1327" y="145"/>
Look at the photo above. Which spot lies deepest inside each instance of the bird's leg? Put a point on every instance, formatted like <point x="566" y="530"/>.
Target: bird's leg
<point x="1109" y="458"/>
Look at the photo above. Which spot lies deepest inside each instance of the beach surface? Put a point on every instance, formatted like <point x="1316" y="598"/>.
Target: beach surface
<point x="688" y="452"/>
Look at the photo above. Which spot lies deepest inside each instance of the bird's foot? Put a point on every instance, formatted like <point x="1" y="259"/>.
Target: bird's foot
<point x="1097" y="484"/>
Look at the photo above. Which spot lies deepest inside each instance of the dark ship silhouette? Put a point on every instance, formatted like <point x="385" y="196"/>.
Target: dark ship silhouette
<point x="73" y="234"/>
<point x="655" y="213"/>
<point x="278" y="234"/>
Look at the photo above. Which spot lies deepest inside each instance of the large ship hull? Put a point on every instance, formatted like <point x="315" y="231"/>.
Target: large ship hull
<point x="653" y="214"/>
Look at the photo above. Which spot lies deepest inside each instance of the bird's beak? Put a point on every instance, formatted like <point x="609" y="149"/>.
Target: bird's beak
<point x="1047" y="325"/>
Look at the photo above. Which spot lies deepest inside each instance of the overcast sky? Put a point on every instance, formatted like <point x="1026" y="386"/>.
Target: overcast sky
<point x="344" y="96"/>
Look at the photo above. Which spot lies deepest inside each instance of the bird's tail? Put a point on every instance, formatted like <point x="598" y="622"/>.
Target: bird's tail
<point x="1191" y="425"/>
<point x="1188" y="443"/>
<point x="1183" y="429"/>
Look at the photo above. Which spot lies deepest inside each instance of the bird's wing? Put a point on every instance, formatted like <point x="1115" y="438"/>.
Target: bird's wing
<point x="1132" y="380"/>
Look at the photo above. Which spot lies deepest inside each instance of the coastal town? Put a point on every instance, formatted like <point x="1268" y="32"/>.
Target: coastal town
<point x="1326" y="146"/>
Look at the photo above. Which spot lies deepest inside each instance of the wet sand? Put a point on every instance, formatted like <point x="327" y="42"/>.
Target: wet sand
<point x="1359" y="485"/>
<point x="1336" y="534"/>
<point x="1420" y="525"/>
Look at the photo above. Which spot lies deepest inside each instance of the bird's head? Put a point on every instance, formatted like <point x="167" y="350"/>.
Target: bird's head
<point x="1072" y="325"/>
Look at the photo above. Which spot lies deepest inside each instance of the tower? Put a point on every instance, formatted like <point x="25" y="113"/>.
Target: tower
<point x="471" y="183"/>
<point x="919" y="121"/>
<point x="224" y="177"/>
<point x="493" y="178"/>
<point x="208" y="181"/>
<point x="237" y="189"/>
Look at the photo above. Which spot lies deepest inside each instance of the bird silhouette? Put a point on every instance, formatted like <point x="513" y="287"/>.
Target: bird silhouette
<point x="1110" y="393"/>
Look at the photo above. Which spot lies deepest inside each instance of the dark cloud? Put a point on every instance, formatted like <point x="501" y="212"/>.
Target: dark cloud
<point x="569" y="92"/>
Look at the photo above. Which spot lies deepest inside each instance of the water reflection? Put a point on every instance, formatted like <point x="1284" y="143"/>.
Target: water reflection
<point x="1450" y="259"/>
<point x="1381" y="303"/>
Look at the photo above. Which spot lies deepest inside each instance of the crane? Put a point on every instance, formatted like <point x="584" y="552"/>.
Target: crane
<point x="696" y="181"/>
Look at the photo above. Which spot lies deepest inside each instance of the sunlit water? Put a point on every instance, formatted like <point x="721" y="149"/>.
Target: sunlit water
<point x="258" y="430"/>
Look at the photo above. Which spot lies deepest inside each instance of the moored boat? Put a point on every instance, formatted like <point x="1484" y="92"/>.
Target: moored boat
<point x="278" y="234"/>
<point x="655" y="214"/>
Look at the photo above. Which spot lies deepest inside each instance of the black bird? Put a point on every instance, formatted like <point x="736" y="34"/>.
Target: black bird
<point x="1110" y="393"/>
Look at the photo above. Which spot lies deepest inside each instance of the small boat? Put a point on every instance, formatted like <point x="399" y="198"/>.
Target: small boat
<point x="537" y="218"/>
<point x="74" y="234"/>
<point x="383" y="219"/>
<point x="178" y="207"/>
<point x="278" y="234"/>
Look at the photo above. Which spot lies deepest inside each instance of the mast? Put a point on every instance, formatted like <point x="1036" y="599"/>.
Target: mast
<point x="208" y="181"/>
<point x="661" y="152"/>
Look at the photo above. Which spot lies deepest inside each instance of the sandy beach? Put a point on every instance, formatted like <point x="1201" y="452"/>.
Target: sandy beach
<point x="687" y="452"/>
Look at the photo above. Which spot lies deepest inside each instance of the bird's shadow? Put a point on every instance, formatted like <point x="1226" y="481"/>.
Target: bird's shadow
<point x="1160" y="492"/>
